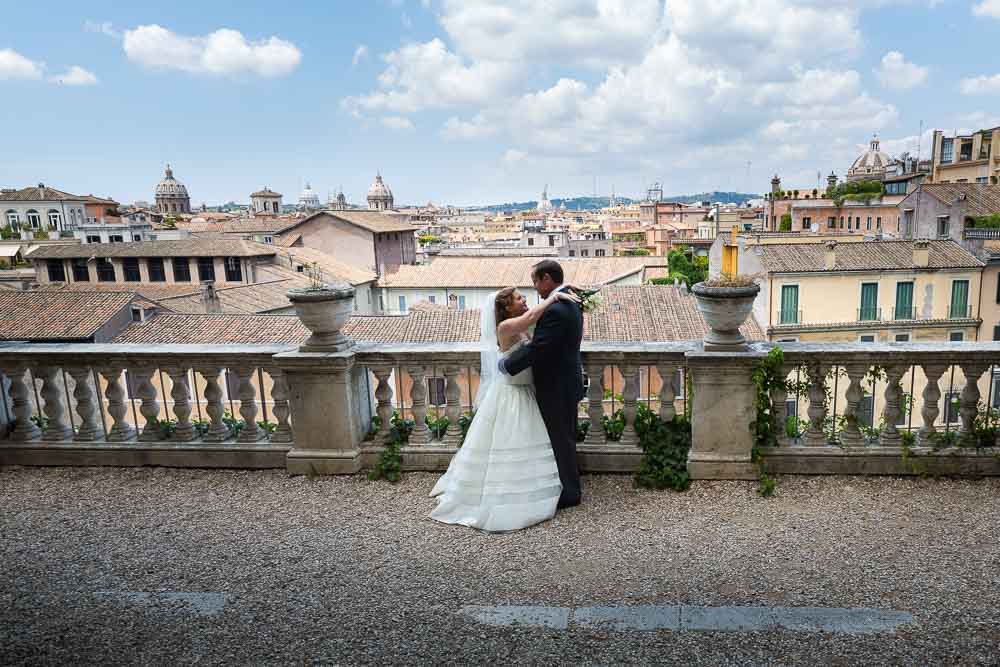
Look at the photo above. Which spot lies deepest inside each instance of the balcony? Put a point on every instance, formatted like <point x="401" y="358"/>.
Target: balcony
<point x="960" y="311"/>
<point x="786" y="317"/>
<point x="904" y="312"/>
<point x="869" y="314"/>
<point x="312" y="412"/>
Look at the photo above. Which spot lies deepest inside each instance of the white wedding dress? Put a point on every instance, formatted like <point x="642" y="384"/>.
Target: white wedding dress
<point x="504" y="477"/>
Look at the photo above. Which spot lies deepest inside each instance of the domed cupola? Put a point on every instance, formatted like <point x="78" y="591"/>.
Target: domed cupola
<point x="171" y="195"/>
<point x="870" y="165"/>
<point x="379" y="195"/>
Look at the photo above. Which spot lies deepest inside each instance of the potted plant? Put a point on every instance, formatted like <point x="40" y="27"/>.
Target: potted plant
<point x="725" y="303"/>
<point x="324" y="309"/>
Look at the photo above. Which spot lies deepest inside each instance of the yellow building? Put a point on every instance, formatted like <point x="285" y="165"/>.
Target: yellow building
<point x="973" y="158"/>
<point x="875" y="291"/>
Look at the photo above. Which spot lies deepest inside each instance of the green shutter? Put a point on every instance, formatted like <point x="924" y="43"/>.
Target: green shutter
<point x="904" y="301"/>
<point x="959" y="298"/>
<point x="789" y="304"/>
<point x="869" y="301"/>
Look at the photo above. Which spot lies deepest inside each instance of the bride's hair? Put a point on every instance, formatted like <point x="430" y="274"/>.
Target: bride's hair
<point x="502" y="304"/>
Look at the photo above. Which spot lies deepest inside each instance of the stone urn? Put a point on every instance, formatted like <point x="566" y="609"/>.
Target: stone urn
<point x="725" y="309"/>
<point x="324" y="311"/>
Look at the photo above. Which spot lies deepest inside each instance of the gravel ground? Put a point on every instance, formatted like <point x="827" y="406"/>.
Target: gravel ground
<point x="347" y="571"/>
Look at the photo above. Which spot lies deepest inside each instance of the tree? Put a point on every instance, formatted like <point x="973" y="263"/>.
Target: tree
<point x="687" y="269"/>
<point x="424" y="239"/>
<point x="786" y="223"/>
<point x="987" y="221"/>
<point x="635" y="252"/>
<point x="796" y="193"/>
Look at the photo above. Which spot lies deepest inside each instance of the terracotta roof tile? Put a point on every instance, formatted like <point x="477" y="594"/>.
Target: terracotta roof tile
<point x="983" y="199"/>
<point x="180" y="248"/>
<point x="471" y="272"/>
<point x="331" y="268"/>
<point x="260" y="297"/>
<point x="39" y="193"/>
<point x="151" y="291"/>
<point x="57" y="315"/>
<point x="373" y="221"/>
<point x="867" y="256"/>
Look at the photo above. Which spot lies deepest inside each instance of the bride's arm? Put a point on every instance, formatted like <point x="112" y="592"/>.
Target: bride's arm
<point x="518" y="325"/>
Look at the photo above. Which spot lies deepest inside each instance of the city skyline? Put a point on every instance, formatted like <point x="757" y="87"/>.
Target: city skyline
<point x="480" y="101"/>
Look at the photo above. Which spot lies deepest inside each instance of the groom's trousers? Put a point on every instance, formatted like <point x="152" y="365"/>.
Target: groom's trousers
<point x="560" y="421"/>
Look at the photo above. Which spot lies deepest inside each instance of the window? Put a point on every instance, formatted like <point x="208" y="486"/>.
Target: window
<point x="905" y="402"/>
<point x="831" y="222"/>
<point x="206" y="268"/>
<point x="34" y="219"/>
<point x="904" y="301"/>
<point x="942" y="226"/>
<point x="807" y="223"/>
<point x="599" y="253"/>
<point x="80" y="272"/>
<point x="431" y="299"/>
<point x="866" y="411"/>
<point x="461" y="303"/>
<point x="137" y="314"/>
<point x="792" y="408"/>
<point x="137" y="237"/>
<point x="116" y="238"/>
<point x="789" y="305"/>
<point x="57" y="273"/>
<point x="982" y="179"/>
<point x="268" y="239"/>
<point x="951" y="406"/>
<point x="878" y="222"/>
<point x="300" y="268"/>
<point x="841" y="222"/>
<point x="402" y="303"/>
<point x="105" y="270"/>
<point x="435" y="391"/>
<point x="947" y="150"/>
<point x="531" y="241"/>
<point x="902" y="338"/>
<point x="13" y="219"/>
<point x="984" y="148"/>
<point x="868" y="224"/>
<point x="965" y="151"/>
<point x="157" y="274"/>
<point x="959" y="299"/>
<point x="869" y="302"/>
<point x="93" y="239"/>
<point x="956" y="337"/>
<point x="182" y="270"/>
<point x="55" y="219"/>
<point x="552" y="240"/>
<point x="584" y="252"/>
<point x="131" y="268"/>
<point x="867" y="338"/>
<point x="572" y="253"/>
<point x="898" y="188"/>
<point x="996" y="332"/>
<point x="234" y="270"/>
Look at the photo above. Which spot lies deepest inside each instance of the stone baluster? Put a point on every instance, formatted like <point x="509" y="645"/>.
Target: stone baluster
<point x="250" y="432"/>
<point x="893" y="411"/>
<point x="83" y="392"/>
<point x="779" y="411"/>
<point x="25" y="430"/>
<point x="121" y="430"/>
<point x="814" y="435"/>
<point x="630" y="397"/>
<point x="931" y="407"/>
<point x="453" y="406"/>
<point x="217" y="429"/>
<point x="595" y="404"/>
<point x="420" y="435"/>
<point x="667" y="395"/>
<point x="851" y="435"/>
<point x="58" y="427"/>
<point x="383" y="394"/>
<point x="969" y="407"/>
<point x="282" y="411"/>
<point x="180" y="391"/>
<point x="150" y="406"/>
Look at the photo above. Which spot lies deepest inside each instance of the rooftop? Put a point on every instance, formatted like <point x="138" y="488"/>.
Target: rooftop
<point x="211" y="247"/>
<point x="50" y="315"/>
<point x="868" y="256"/>
<point x="374" y="221"/>
<point x="266" y="295"/>
<point x="41" y="192"/>
<point x="497" y="272"/>
<point x="982" y="198"/>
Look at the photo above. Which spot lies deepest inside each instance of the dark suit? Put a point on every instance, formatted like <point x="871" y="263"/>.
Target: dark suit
<point x="554" y="356"/>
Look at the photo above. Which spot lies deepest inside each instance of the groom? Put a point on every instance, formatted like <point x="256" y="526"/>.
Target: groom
<point x="554" y="355"/>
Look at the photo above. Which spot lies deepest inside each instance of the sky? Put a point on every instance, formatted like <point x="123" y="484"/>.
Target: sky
<point x="481" y="101"/>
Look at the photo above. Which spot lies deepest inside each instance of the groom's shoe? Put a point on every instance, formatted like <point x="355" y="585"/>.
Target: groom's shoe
<point x="567" y="502"/>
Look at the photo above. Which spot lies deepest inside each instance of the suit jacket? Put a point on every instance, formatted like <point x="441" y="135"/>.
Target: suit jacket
<point x="554" y="354"/>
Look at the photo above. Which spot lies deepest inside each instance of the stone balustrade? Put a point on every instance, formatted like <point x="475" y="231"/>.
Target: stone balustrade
<point x="167" y="405"/>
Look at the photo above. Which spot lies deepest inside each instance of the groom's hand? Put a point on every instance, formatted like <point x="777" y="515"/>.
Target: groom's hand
<point x="501" y="367"/>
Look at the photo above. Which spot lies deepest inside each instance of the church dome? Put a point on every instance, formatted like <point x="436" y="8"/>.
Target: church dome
<point x="379" y="190"/>
<point x="308" y="198"/>
<point x="870" y="164"/>
<point x="170" y="186"/>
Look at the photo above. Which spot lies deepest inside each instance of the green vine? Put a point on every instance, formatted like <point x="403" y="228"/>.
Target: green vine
<point x="665" y="446"/>
<point x="389" y="464"/>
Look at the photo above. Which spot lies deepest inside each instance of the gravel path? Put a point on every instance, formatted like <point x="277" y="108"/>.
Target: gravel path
<point x="347" y="571"/>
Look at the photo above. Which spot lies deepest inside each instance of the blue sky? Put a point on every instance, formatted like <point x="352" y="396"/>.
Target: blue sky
<point x="460" y="101"/>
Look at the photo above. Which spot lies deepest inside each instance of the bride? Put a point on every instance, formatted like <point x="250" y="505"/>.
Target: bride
<point x="504" y="477"/>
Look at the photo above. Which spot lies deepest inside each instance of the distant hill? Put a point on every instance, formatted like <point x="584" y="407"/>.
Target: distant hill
<point x="594" y="203"/>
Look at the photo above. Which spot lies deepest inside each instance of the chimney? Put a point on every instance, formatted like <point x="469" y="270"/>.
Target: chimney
<point x="831" y="255"/>
<point x="210" y="298"/>
<point x="831" y="181"/>
<point x="921" y="253"/>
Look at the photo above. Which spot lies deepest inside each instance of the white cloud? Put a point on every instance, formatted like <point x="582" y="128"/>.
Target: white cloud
<point x="897" y="74"/>
<point x="103" y="27"/>
<point x="15" y="66"/>
<point x="223" y="52"/>
<point x="987" y="8"/>
<point x="360" y="53"/>
<point x="513" y="156"/>
<point x="397" y="122"/>
<point x="75" y="76"/>
<point x="980" y="85"/>
<point x="477" y="128"/>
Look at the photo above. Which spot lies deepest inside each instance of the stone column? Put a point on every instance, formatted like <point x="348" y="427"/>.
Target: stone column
<point x="421" y="435"/>
<point x="851" y="436"/>
<point x="383" y="392"/>
<point x="279" y="392"/>
<point x="58" y="428"/>
<point x="150" y="407"/>
<point x="595" y="404"/>
<point x="970" y="400"/>
<point x="721" y="412"/>
<point x="121" y="430"/>
<point x="25" y="430"/>
<point x="181" y="393"/>
<point x="630" y="397"/>
<point x="891" y="437"/>
<point x="779" y="411"/>
<point x="328" y="394"/>
<point x="248" y="406"/>
<point x="453" y="406"/>
<point x="931" y="407"/>
<point x="217" y="429"/>
<point x="814" y="435"/>
<point x="83" y="392"/>
<point x="667" y="396"/>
